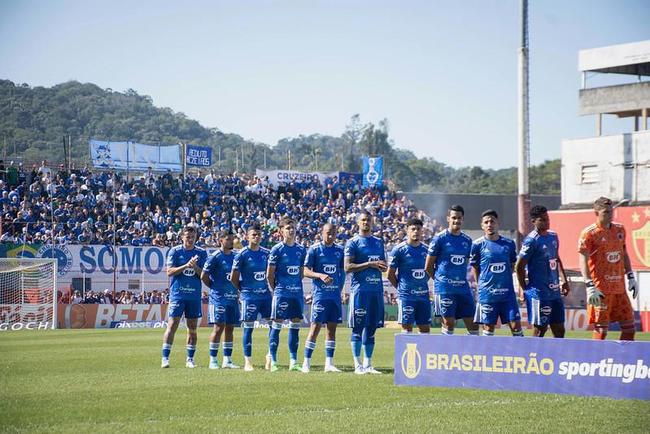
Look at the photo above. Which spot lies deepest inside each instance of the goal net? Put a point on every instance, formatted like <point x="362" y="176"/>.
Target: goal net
<point x="27" y="293"/>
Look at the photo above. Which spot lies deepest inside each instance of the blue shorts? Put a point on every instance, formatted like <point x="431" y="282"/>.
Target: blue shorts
<point x="286" y="307"/>
<point x="366" y="309"/>
<point x="507" y="311"/>
<point x="413" y="311"/>
<point x="544" y="312"/>
<point x="189" y="308"/>
<point x="223" y="313"/>
<point x="323" y="311"/>
<point x="251" y="309"/>
<point x="454" y="305"/>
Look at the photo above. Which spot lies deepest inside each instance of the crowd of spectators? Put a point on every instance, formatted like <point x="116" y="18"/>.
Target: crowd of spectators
<point x="79" y="206"/>
<point x="106" y="297"/>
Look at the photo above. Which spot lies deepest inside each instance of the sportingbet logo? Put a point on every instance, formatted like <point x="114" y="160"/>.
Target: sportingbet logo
<point x="259" y="276"/>
<point x="293" y="270"/>
<point x="457" y="259"/>
<point x="498" y="267"/>
<point x="418" y="274"/>
<point x="329" y="268"/>
<point x="605" y="368"/>
<point x="613" y="257"/>
<point x="411" y="361"/>
<point x="189" y="272"/>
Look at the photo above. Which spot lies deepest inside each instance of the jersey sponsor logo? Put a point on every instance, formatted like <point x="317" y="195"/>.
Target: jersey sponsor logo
<point x="319" y="308"/>
<point x="359" y="312"/>
<point x="251" y="307"/>
<point x="293" y="270"/>
<point x="446" y="302"/>
<point x="418" y="274"/>
<point x="220" y="309"/>
<point x="498" y="267"/>
<point x="259" y="276"/>
<point x="372" y="279"/>
<point x="189" y="272"/>
<point x="486" y="309"/>
<point x="546" y="310"/>
<point x="329" y="268"/>
<point x="283" y="306"/>
<point x="613" y="257"/>
<point x="457" y="259"/>
<point x="411" y="361"/>
<point x="408" y="310"/>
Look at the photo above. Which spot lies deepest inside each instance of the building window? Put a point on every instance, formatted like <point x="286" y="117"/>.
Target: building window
<point x="589" y="174"/>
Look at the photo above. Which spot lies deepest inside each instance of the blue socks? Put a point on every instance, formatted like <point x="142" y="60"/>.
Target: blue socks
<point x="330" y="346"/>
<point x="274" y="340"/>
<point x="309" y="349"/>
<point x="166" y="350"/>
<point x="247" y="339"/>
<point x="191" y="349"/>
<point x="227" y="349"/>
<point x="294" y="338"/>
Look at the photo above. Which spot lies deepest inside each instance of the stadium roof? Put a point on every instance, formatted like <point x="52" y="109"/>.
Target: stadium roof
<point x="631" y="59"/>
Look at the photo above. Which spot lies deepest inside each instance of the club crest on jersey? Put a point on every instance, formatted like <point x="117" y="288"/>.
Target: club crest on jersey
<point x="293" y="270"/>
<point x="552" y="263"/>
<point x="259" y="276"/>
<point x="329" y="268"/>
<point x="498" y="267"/>
<point x="411" y="361"/>
<point x="613" y="257"/>
<point x="418" y="274"/>
<point x="189" y="272"/>
<point x="457" y="259"/>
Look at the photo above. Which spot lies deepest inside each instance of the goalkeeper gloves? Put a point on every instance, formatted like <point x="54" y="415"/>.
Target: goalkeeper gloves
<point x="594" y="296"/>
<point x="631" y="284"/>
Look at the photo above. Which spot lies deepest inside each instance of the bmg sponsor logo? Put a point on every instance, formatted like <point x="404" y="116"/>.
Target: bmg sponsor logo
<point x="613" y="257"/>
<point x="259" y="276"/>
<point x="189" y="272"/>
<point x="329" y="268"/>
<point x="498" y="267"/>
<point x="359" y="312"/>
<point x="293" y="270"/>
<point x="418" y="274"/>
<point x="457" y="259"/>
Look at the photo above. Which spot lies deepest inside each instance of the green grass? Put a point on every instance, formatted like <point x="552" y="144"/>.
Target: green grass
<point x="110" y="381"/>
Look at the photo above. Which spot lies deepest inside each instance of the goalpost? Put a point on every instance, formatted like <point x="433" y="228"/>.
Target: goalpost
<point x="28" y="295"/>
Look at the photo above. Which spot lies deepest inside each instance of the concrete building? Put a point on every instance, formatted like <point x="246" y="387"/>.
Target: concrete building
<point x="616" y="166"/>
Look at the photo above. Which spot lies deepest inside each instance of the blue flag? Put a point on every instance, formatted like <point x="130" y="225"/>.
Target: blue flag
<point x="373" y="171"/>
<point x="198" y="156"/>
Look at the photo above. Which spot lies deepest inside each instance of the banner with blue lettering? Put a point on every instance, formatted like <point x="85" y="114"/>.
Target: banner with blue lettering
<point x="135" y="156"/>
<point x="198" y="156"/>
<point x="373" y="171"/>
<point x="616" y="369"/>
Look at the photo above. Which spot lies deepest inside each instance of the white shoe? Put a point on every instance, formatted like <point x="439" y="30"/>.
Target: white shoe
<point x="248" y="366"/>
<point x="164" y="363"/>
<point x="230" y="365"/>
<point x="190" y="364"/>
<point x="267" y="364"/>
<point x="305" y="368"/>
<point x="359" y="370"/>
<point x="331" y="368"/>
<point x="214" y="365"/>
<point x="371" y="370"/>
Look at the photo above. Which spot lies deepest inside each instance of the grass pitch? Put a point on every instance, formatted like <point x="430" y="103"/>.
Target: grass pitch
<point x="110" y="381"/>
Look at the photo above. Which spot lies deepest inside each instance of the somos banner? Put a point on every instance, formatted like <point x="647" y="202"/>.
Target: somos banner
<point x="570" y="366"/>
<point x="134" y="156"/>
<point x="277" y="177"/>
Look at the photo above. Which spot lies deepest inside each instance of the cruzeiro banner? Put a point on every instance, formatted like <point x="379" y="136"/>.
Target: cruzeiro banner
<point x="134" y="156"/>
<point x="277" y="177"/>
<point x="373" y="171"/>
<point x="617" y="369"/>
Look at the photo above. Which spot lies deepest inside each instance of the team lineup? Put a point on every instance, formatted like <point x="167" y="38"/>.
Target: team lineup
<point x="260" y="284"/>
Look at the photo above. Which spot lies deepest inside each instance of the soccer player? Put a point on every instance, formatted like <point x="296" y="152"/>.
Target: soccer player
<point x="604" y="263"/>
<point x="284" y="275"/>
<point x="249" y="277"/>
<point x="406" y="273"/>
<point x="447" y="264"/>
<point x="543" y="293"/>
<point x="184" y="263"/>
<point x="223" y="310"/>
<point x="324" y="264"/>
<point x="493" y="259"/>
<point x="365" y="258"/>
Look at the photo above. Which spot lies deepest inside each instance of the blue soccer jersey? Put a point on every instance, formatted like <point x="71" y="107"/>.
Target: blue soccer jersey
<point x="366" y="249"/>
<point x="288" y="261"/>
<point x="328" y="260"/>
<point x="185" y="285"/>
<point x="452" y="258"/>
<point x="219" y="266"/>
<point x="541" y="254"/>
<point x="412" y="280"/>
<point x="494" y="260"/>
<point x="251" y="265"/>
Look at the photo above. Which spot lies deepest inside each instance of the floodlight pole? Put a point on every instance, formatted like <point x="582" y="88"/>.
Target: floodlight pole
<point x="523" y="197"/>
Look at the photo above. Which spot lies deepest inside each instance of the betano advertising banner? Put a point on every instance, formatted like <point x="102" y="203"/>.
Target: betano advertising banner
<point x="636" y="219"/>
<point x="616" y="369"/>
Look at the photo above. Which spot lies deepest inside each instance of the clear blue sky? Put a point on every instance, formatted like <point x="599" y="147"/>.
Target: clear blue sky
<point x="443" y="73"/>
